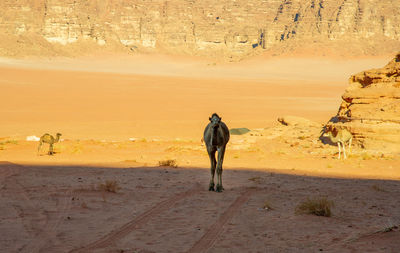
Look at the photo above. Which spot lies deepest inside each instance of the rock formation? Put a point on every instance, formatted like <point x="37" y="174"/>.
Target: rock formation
<point x="371" y="107"/>
<point x="223" y="29"/>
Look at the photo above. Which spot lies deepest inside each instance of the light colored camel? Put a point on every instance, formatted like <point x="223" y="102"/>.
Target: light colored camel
<point x="49" y="139"/>
<point x="339" y="136"/>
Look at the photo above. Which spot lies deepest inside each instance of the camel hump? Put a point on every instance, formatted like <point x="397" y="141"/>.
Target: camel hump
<point x="47" y="138"/>
<point x="346" y="134"/>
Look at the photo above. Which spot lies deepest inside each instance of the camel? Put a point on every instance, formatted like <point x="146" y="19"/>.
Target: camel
<point x="339" y="136"/>
<point x="47" y="138"/>
<point x="216" y="136"/>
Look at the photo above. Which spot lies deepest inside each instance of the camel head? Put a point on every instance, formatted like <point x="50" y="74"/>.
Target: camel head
<point x="330" y="131"/>
<point x="215" y="120"/>
<point x="58" y="137"/>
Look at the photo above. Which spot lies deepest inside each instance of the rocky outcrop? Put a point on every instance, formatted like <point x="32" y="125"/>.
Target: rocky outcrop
<point x="230" y="29"/>
<point x="371" y="107"/>
<point x="297" y="121"/>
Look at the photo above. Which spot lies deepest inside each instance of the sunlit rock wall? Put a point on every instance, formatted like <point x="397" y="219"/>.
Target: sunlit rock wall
<point x="234" y="28"/>
<point x="371" y="108"/>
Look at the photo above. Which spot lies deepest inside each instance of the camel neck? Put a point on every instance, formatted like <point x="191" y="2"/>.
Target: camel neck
<point x="334" y="138"/>
<point x="214" y="138"/>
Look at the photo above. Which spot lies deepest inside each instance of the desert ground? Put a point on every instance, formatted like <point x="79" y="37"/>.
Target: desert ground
<point x="104" y="191"/>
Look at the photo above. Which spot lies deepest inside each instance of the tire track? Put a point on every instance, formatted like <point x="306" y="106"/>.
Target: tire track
<point x="49" y="231"/>
<point x="8" y="169"/>
<point x="46" y="230"/>
<point x="138" y="221"/>
<point x="209" y="238"/>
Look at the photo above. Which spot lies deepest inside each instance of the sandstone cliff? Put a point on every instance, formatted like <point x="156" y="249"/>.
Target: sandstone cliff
<point x="230" y="29"/>
<point x="371" y="107"/>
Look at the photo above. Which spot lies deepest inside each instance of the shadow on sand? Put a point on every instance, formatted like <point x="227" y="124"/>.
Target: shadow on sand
<point x="63" y="209"/>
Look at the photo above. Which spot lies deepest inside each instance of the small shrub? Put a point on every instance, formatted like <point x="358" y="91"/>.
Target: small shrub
<point x="130" y="161"/>
<point x="255" y="179"/>
<point x="366" y="156"/>
<point x="267" y="206"/>
<point x="378" y="188"/>
<point x="239" y="131"/>
<point x="389" y="228"/>
<point x="4" y="143"/>
<point x="317" y="206"/>
<point x="109" y="186"/>
<point x="168" y="163"/>
<point x="12" y="142"/>
<point x="280" y="152"/>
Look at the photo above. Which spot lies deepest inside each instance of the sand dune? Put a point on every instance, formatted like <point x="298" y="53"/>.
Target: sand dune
<point x="121" y="98"/>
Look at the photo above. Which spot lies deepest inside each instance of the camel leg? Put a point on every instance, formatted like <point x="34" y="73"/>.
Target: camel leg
<point x="338" y="144"/>
<point x="221" y="153"/>
<point x="211" y="154"/>
<point x="351" y="139"/>
<point x="51" y="149"/>
<point x="39" y="147"/>
<point x="344" y="150"/>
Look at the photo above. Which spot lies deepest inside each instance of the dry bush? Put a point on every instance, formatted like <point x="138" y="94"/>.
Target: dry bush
<point x="130" y="161"/>
<point x="168" y="163"/>
<point x="390" y="228"/>
<point x="316" y="206"/>
<point x="109" y="186"/>
<point x="267" y="206"/>
<point x="11" y="142"/>
<point x="378" y="188"/>
<point x="255" y="179"/>
<point x="366" y="156"/>
<point x="4" y="143"/>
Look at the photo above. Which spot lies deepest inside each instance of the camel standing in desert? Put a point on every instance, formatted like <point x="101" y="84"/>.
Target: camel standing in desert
<point x="339" y="136"/>
<point x="216" y="136"/>
<point x="49" y="139"/>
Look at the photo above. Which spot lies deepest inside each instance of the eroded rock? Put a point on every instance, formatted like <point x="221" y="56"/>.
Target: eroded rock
<point x="371" y="107"/>
<point x="297" y="121"/>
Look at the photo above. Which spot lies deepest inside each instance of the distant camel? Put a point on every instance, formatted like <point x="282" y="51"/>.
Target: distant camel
<point x="339" y="136"/>
<point x="47" y="138"/>
<point x="216" y="136"/>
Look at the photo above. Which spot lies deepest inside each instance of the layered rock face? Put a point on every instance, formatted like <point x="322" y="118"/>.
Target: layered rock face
<point x="235" y="28"/>
<point x="371" y="107"/>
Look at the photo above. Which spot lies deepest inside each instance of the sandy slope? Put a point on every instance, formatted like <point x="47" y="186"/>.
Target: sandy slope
<point x="121" y="99"/>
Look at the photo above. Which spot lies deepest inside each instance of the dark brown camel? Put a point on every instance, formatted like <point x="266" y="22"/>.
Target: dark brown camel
<point x="216" y="136"/>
